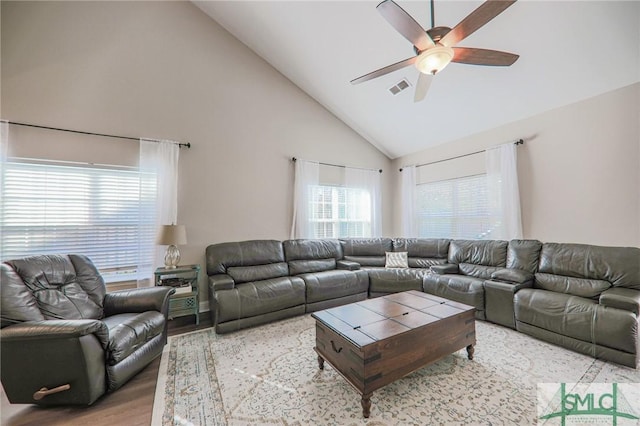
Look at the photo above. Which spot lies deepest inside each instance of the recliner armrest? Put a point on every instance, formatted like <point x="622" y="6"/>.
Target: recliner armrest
<point x="445" y="268"/>
<point x="516" y="276"/>
<point x="138" y="300"/>
<point x="56" y="329"/>
<point x="221" y="282"/>
<point x="348" y="265"/>
<point x="621" y="298"/>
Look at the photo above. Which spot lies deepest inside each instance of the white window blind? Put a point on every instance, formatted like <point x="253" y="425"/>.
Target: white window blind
<point x="339" y="212"/>
<point x="105" y="214"/>
<point x="454" y="208"/>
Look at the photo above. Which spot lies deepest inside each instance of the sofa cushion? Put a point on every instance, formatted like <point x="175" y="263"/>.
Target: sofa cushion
<point x="459" y="288"/>
<point x="312" y="249"/>
<point x="618" y="265"/>
<point x="368" y="261"/>
<point x="577" y="317"/>
<point x="328" y="285"/>
<point x="297" y="267"/>
<point x="17" y="303"/>
<point x="621" y="298"/>
<point x="423" y="247"/>
<point x="128" y="332"/>
<point x="569" y="285"/>
<point x="244" y="274"/>
<point x="58" y="291"/>
<point x="395" y="280"/>
<point x="478" y="258"/>
<point x="258" y="297"/>
<point x="423" y="252"/>
<point x="245" y="253"/>
<point x="524" y="254"/>
<point x="366" y="251"/>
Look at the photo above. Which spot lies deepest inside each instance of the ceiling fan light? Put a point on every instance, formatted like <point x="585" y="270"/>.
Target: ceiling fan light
<point x="433" y="60"/>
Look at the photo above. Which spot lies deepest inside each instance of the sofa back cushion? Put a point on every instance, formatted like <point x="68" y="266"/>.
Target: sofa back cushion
<point x="423" y="252"/>
<point x="366" y="251"/>
<point x="580" y="287"/>
<point x="64" y="287"/>
<point x="524" y="255"/>
<point x="619" y="266"/>
<point x="245" y="274"/>
<point x="222" y="256"/>
<point x="17" y="303"/>
<point x="304" y="256"/>
<point x="478" y="258"/>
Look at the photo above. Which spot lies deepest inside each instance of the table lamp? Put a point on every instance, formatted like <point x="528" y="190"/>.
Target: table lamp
<point x="172" y="235"/>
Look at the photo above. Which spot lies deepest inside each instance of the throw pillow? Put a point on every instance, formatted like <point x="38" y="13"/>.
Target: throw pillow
<point x="397" y="259"/>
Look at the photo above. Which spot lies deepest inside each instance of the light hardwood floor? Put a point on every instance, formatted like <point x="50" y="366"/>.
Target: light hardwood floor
<point x="131" y="405"/>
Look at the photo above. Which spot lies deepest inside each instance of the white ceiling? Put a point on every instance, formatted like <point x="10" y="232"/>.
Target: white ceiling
<point x="569" y="50"/>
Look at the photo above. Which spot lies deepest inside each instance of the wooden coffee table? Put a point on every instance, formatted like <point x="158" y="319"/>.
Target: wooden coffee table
<point x="377" y="341"/>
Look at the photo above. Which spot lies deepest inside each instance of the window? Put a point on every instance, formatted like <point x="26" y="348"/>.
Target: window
<point x="456" y="208"/>
<point x="337" y="212"/>
<point x="107" y="214"/>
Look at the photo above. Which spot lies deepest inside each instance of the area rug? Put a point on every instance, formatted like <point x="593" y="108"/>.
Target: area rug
<point x="268" y="375"/>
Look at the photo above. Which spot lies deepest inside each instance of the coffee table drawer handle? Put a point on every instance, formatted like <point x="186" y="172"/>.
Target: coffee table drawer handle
<point x="333" y="345"/>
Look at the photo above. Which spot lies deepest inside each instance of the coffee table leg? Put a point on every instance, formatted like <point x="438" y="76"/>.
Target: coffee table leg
<point x="320" y="362"/>
<point x="470" y="351"/>
<point x="366" y="405"/>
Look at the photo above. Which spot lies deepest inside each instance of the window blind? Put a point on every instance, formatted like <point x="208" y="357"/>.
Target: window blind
<point x="339" y="212"/>
<point x="105" y="214"/>
<point x="454" y="208"/>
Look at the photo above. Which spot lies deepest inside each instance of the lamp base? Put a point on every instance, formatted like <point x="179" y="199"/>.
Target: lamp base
<point x="171" y="257"/>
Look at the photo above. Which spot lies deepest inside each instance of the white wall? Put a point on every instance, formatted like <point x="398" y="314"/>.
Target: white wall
<point x="166" y="70"/>
<point x="579" y="169"/>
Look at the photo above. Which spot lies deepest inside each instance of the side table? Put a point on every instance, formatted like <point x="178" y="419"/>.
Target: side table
<point x="184" y="279"/>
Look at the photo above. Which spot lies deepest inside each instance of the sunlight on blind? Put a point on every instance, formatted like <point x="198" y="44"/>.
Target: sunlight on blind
<point x="339" y="212"/>
<point x="455" y="208"/>
<point x="105" y="214"/>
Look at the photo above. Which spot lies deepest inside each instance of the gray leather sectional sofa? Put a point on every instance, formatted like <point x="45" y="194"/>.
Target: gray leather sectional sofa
<point x="583" y="297"/>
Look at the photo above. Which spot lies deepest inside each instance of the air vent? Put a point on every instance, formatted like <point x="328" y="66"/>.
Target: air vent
<point x="399" y="87"/>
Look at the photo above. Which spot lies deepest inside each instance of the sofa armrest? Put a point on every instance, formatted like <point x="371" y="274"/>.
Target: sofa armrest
<point x="138" y="300"/>
<point x="55" y="329"/>
<point x="445" y="268"/>
<point x="516" y="276"/>
<point x="621" y="298"/>
<point x="221" y="282"/>
<point x="348" y="265"/>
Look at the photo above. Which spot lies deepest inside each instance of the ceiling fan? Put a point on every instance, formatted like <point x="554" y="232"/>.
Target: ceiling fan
<point x="435" y="47"/>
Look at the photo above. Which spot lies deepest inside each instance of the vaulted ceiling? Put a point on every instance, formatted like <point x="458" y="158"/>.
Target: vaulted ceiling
<point x="569" y="51"/>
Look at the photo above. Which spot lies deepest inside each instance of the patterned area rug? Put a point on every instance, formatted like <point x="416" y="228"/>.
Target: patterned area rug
<point x="269" y="375"/>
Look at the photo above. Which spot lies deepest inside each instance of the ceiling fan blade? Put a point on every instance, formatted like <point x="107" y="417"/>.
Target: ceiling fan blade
<point x="385" y="70"/>
<point x="476" y="19"/>
<point x="474" y="56"/>
<point x="422" y="86"/>
<point x="405" y="24"/>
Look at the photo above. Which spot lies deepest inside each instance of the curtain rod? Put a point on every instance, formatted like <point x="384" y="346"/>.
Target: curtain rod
<point x="15" y="123"/>
<point x="294" y="159"/>
<point x="518" y="142"/>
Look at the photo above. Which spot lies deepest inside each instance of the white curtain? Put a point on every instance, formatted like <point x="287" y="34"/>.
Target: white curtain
<point x="307" y="173"/>
<point x="160" y="160"/>
<point x="503" y="193"/>
<point x="368" y="180"/>
<point x="408" y="202"/>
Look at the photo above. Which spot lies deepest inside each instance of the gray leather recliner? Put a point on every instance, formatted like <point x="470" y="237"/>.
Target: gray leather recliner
<point x="64" y="340"/>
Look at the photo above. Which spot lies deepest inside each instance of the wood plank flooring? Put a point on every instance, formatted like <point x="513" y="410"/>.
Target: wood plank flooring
<point x="131" y="405"/>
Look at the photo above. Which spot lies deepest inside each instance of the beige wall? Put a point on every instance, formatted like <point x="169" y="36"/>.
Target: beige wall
<point x="578" y="169"/>
<point x="166" y="70"/>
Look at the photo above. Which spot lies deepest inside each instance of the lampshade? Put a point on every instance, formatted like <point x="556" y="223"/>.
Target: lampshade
<point x="172" y="235"/>
<point x="433" y="60"/>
